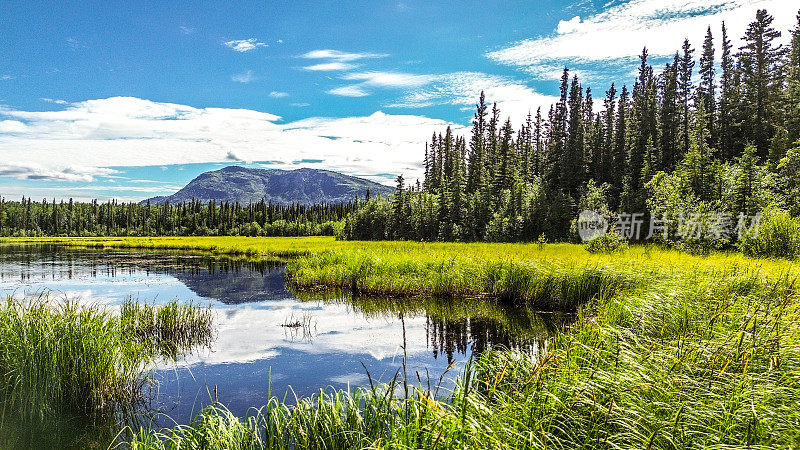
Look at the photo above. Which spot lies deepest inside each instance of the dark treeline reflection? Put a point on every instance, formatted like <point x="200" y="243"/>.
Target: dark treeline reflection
<point x="456" y="327"/>
<point x="448" y="338"/>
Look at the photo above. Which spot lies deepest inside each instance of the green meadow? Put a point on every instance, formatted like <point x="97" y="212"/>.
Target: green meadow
<point x="663" y="350"/>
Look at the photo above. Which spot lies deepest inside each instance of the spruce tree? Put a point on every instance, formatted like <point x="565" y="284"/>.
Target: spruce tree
<point x="706" y="89"/>
<point x="695" y="168"/>
<point x="685" y="67"/>
<point x="538" y="143"/>
<point x="761" y="79"/>
<point x="608" y="135"/>
<point x="725" y="117"/>
<point x="572" y="167"/>
<point x="620" y="147"/>
<point x="669" y="122"/>
<point x="793" y="85"/>
<point x="747" y="182"/>
<point x="477" y="146"/>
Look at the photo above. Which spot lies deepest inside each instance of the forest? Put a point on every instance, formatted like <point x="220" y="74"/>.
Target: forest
<point x="720" y="140"/>
<point x="27" y="218"/>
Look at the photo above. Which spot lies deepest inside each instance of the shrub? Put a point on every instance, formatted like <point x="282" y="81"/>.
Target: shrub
<point x="777" y="236"/>
<point x="606" y="243"/>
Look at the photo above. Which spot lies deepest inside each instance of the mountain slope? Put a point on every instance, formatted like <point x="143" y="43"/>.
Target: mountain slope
<point x="245" y="185"/>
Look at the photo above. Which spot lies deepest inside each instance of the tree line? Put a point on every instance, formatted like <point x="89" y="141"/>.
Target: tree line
<point x="729" y="142"/>
<point x="112" y="218"/>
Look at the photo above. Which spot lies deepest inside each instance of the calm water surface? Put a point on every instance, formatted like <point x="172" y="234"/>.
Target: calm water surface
<point x="252" y="350"/>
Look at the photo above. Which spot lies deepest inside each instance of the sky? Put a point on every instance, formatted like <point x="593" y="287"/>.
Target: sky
<point x="129" y="100"/>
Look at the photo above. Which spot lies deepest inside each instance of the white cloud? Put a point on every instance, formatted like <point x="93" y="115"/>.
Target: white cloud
<point x="353" y="90"/>
<point x="458" y="88"/>
<point x="186" y="30"/>
<point x="390" y="79"/>
<point x="463" y="88"/>
<point x="330" y="66"/>
<point x="34" y="171"/>
<point x="80" y="141"/>
<point x="374" y="79"/>
<point x="340" y="55"/>
<point x="12" y="126"/>
<point x="53" y="100"/>
<point x="6" y="77"/>
<point x="621" y="30"/>
<point x="244" y="45"/>
<point x="569" y="26"/>
<point x="277" y="94"/>
<point x="244" y="77"/>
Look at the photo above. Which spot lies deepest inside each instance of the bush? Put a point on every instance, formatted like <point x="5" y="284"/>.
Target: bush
<point x="606" y="243"/>
<point x="777" y="236"/>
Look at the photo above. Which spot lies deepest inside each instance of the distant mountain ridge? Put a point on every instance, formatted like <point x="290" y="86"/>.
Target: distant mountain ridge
<point x="283" y="187"/>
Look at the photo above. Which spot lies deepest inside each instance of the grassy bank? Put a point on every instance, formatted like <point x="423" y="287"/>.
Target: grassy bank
<point x="58" y="356"/>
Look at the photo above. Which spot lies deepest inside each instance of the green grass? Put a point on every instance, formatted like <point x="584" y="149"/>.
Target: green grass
<point x="169" y="328"/>
<point x="59" y="356"/>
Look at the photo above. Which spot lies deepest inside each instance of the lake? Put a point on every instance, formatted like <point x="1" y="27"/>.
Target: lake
<point x="339" y="339"/>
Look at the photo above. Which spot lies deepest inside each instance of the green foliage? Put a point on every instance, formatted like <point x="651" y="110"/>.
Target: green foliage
<point x="777" y="236"/>
<point x="789" y="170"/>
<point x="609" y="242"/>
<point x="63" y="357"/>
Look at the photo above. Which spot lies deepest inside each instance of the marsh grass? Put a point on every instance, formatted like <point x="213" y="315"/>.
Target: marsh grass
<point x="62" y="357"/>
<point x="519" y="283"/>
<point x="169" y="328"/>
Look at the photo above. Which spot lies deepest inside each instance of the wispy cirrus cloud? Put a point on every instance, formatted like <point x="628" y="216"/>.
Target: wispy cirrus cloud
<point x="341" y="56"/>
<point x="349" y="91"/>
<point x="389" y="79"/>
<point x="244" y="77"/>
<point x="244" y="45"/>
<point x="278" y="94"/>
<point x="514" y="99"/>
<point x="368" y="81"/>
<point x="54" y="100"/>
<point x="617" y="34"/>
<point x="330" y="67"/>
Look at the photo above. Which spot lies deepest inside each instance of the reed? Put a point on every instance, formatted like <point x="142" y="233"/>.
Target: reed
<point x="169" y="328"/>
<point x="58" y="356"/>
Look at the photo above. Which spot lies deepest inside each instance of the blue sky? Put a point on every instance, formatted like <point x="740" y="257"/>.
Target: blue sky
<point x="102" y="99"/>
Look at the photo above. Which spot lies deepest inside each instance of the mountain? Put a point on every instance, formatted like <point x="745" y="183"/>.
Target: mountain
<point x="306" y="186"/>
